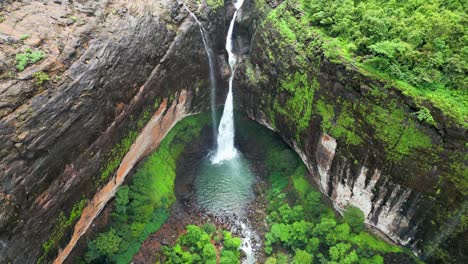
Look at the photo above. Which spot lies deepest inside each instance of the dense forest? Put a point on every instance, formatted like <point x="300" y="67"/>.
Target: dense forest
<point x="422" y="45"/>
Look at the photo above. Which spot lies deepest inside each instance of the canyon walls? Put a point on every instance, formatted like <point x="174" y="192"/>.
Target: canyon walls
<point x="118" y="70"/>
<point x="362" y="138"/>
<point x="112" y="67"/>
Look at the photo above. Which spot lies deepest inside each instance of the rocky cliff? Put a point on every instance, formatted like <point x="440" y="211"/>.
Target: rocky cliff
<point x="359" y="135"/>
<point x="94" y="74"/>
<point x="94" y="77"/>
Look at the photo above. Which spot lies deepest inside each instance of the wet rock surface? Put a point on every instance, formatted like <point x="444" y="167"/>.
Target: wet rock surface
<point x="410" y="200"/>
<point x="107" y="62"/>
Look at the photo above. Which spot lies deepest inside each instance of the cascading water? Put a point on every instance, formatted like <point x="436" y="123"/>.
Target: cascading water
<point x="218" y="178"/>
<point x="209" y="53"/>
<point x="225" y="140"/>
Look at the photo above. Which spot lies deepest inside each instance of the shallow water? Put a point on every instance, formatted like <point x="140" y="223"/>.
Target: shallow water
<point x="224" y="188"/>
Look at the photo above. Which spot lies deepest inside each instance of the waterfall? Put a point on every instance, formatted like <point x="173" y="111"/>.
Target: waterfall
<point x="209" y="53"/>
<point x="225" y="140"/>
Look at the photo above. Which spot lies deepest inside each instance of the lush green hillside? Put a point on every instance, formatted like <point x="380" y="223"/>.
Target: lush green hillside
<point x="420" y="46"/>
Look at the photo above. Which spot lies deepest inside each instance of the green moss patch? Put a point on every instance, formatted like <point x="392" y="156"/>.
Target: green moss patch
<point x="62" y="224"/>
<point x="27" y="58"/>
<point x="298" y="107"/>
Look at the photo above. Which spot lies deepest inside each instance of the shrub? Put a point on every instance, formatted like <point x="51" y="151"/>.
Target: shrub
<point x="195" y="237"/>
<point x="355" y="218"/>
<point x="231" y="243"/>
<point x="195" y="247"/>
<point x="424" y="115"/>
<point x="106" y="244"/>
<point x="209" y="228"/>
<point x="229" y="257"/>
<point x="302" y="257"/>
<point x="271" y="260"/>
<point x="209" y="252"/>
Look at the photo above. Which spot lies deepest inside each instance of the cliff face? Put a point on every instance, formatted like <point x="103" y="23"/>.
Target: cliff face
<point x="360" y="136"/>
<point x="120" y="69"/>
<point x="110" y="65"/>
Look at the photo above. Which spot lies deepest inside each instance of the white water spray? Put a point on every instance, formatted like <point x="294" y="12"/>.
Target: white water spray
<point x="209" y="53"/>
<point x="225" y="140"/>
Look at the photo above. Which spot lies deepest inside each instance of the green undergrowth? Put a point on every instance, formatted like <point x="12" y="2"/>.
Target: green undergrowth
<point x="408" y="44"/>
<point x="203" y="245"/>
<point x="143" y="206"/>
<point x="62" y="224"/>
<point x="301" y="228"/>
<point x="304" y="230"/>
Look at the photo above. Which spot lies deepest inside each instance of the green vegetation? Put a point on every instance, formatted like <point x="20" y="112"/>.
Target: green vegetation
<point x="121" y="148"/>
<point x="302" y="229"/>
<point x="395" y="93"/>
<point x="299" y="105"/>
<point x="425" y="115"/>
<point x="401" y="135"/>
<point x="399" y="130"/>
<point x="24" y="37"/>
<point x="355" y="218"/>
<point x="74" y="19"/>
<point x="61" y="225"/>
<point x="419" y="47"/>
<point x="40" y="77"/>
<point x="196" y="246"/>
<point x="215" y="4"/>
<point x="142" y="207"/>
<point x="106" y="243"/>
<point x="309" y="230"/>
<point x="27" y="58"/>
<point x="344" y="127"/>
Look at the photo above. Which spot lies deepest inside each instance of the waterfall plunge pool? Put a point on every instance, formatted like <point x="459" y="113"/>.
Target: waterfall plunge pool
<point x="224" y="188"/>
<point x="176" y="194"/>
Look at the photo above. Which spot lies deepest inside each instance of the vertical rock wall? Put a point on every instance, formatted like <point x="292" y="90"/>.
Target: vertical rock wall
<point x="358" y="135"/>
<point x="112" y="65"/>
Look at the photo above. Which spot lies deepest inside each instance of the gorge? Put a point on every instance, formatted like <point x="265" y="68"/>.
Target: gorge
<point x="110" y="152"/>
